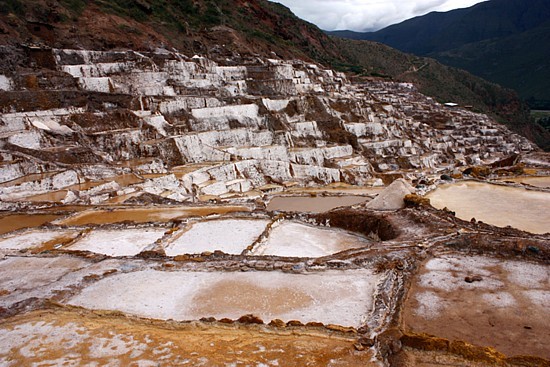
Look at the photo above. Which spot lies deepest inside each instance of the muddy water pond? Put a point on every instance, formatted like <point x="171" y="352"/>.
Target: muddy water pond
<point x="48" y="197"/>
<point x="313" y="204"/>
<point x="14" y="222"/>
<point x="144" y="215"/>
<point x="501" y="206"/>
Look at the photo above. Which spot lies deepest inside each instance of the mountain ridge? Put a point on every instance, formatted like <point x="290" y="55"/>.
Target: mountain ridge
<point x="224" y="32"/>
<point x="478" y="39"/>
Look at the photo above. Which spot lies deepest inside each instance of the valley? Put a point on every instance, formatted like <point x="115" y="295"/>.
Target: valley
<point x="166" y="207"/>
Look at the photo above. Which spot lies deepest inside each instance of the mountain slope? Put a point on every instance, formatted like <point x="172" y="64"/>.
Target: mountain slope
<point x="229" y="32"/>
<point x="504" y="41"/>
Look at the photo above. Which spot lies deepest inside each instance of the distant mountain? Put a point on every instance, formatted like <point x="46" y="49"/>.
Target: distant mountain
<point x="504" y="41"/>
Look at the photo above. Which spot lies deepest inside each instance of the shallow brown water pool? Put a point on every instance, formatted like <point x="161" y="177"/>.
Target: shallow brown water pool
<point x="527" y="210"/>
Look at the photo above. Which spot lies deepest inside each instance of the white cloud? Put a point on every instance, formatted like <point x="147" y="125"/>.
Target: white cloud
<point x="365" y="15"/>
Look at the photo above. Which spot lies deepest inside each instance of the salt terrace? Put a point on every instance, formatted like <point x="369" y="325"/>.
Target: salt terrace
<point x="264" y="214"/>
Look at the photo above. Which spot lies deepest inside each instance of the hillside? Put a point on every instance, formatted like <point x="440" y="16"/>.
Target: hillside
<point x="222" y="31"/>
<point x="504" y="41"/>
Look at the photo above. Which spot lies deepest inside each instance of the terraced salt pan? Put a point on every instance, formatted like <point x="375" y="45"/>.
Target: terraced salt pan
<point x="21" y="272"/>
<point x="34" y="239"/>
<point x="143" y="215"/>
<point x="337" y="297"/>
<point x="48" y="197"/>
<point x="313" y="204"/>
<point x="26" y="277"/>
<point x="494" y="204"/>
<point x="119" y="242"/>
<point x="533" y="181"/>
<point x="293" y="239"/>
<point x="506" y="307"/>
<point x="231" y="236"/>
<point x="14" y="222"/>
<point x="44" y="338"/>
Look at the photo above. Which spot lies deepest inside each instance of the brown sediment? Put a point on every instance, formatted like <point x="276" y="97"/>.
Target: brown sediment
<point x="55" y="243"/>
<point x="360" y="221"/>
<point x="229" y="293"/>
<point x="504" y="309"/>
<point x="84" y="337"/>
<point x="449" y="350"/>
<point x="143" y="215"/>
<point x="9" y="223"/>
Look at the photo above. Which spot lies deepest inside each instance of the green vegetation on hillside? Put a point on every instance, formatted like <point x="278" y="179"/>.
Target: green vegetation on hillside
<point x="504" y="41"/>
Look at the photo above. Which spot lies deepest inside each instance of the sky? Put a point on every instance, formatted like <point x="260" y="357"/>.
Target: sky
<point x="367" y="15"/>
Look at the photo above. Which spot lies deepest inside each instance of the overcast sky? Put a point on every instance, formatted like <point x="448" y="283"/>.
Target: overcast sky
<point x="367" y="15"/>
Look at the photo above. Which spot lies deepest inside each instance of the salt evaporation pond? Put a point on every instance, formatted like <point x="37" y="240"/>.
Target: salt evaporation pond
<point x="498" y="205"/>
<point x="25" y="277"/>
<point x="543" y="182"/>
<point x="33" y="239"/>
<point x="509" y="296"/>
<point x="291" y="239"/>
<point x="14" y="222"/>
<point x="332" y="297"/>
<point x="119" y="242"/>
<point x="42" y="338"/>
<point x="144" y="215"/>
<point x="317" y="204"/>
<point x="231" y="236"/>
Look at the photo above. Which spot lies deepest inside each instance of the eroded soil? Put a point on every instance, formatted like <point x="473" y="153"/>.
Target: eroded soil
<point x="78" y="337"/>
<point x="485" y="301"/>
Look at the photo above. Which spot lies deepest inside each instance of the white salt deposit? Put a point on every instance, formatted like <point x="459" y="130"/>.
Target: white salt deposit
<point x="540" y="298"/>
<point x="28" y="337"/>
<point x="454" y="280"/>
<point x="6" y="83"/>
<point x="475" y="264"/>
<point x="447" y="274"/>
<point x="123" y="242"/>
<point x="499" y="299"/>
<point x="337" y="297"/>
<point x="300" y="240"/>
<point x="28" y="273"/>
<point x="231" y="236"/>
<point x="33" y="340"/>
<point x="430" y="304"/>
<point x="392" y="197"/>
<point x="31" y="239"/>
<point x="531" y="276"/>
